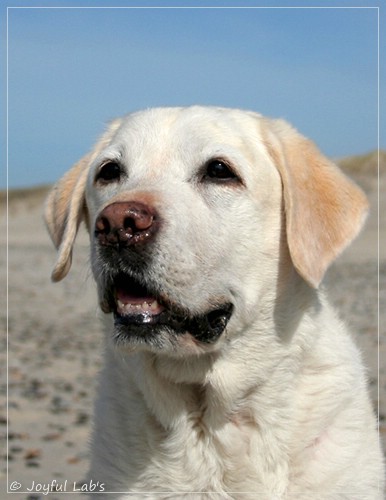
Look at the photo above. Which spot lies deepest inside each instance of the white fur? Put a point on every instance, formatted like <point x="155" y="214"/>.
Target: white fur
<point x="278" y="408"/>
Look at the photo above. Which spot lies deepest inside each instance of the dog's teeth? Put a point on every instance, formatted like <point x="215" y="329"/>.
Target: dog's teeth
<point x="137" y="308"/>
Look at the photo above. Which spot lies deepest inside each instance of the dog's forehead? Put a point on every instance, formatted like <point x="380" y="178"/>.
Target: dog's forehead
<point x="187" y="129"/>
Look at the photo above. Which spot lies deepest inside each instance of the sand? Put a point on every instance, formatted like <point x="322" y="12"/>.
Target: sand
<point x="55" y="342"/>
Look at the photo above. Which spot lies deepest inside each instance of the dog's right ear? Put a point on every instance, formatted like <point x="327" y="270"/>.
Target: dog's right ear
<point x="66" y="206"/>
<point x="64" y="210"/>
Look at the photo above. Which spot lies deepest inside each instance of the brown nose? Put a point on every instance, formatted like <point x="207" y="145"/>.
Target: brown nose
<point x="126" y="223"/>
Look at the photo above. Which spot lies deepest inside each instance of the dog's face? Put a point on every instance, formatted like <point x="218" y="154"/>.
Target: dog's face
<point x="195" y="226"/>
<point x="198" y="218"/>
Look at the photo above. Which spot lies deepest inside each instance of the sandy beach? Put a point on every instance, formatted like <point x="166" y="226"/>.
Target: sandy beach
<point x="55" y="340"/>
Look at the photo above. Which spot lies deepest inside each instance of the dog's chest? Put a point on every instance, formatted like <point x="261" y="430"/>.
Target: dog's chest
<point x="208" y="457"/>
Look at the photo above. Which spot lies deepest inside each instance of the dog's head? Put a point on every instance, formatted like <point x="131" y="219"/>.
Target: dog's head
<point x="198" y="217"/>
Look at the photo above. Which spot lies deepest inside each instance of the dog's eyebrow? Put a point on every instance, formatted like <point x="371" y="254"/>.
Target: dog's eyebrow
<point x="109" y="154"/>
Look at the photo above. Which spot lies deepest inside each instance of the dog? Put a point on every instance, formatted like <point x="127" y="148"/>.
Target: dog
<point x="227" y="374"/>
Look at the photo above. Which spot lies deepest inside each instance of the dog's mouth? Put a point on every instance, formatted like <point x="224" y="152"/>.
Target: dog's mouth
<point x="141" y="312"/>
<point x="135" y="302"/>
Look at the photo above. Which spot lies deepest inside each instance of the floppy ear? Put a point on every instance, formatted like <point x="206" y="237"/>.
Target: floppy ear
<point x="64" y="210"/>
<point x="324" y="210"/>
<point x="65" y="207"/>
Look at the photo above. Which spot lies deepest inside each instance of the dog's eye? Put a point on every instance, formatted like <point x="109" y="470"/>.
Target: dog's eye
<point x="109" y="172"/>
<point x="218" y="170"/>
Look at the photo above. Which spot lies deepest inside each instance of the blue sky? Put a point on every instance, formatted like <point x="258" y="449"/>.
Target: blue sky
<point x="71" y="70"/>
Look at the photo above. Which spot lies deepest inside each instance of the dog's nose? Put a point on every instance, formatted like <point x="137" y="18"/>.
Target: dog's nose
<point x="126" y="223"/>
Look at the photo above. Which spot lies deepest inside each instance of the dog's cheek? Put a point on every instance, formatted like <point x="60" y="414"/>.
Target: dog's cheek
<point x="252" y="266"/>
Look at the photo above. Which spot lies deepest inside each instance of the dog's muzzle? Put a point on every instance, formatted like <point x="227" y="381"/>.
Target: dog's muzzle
<point x="123" y="231"/>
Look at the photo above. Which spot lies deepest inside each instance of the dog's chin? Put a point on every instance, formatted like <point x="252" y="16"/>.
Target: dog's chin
<point x="144" y="318"/>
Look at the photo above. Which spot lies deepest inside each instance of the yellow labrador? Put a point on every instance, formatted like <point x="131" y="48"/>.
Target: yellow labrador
<point x="227" y="373"/>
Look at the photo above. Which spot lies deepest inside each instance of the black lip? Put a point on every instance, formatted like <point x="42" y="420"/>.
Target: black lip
<point x="206" y="328"/>
<point x="141" y="319"/>
<point x="174" y="320"/>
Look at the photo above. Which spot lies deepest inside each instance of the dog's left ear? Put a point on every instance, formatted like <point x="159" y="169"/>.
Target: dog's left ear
<point x="324" y="209"/>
